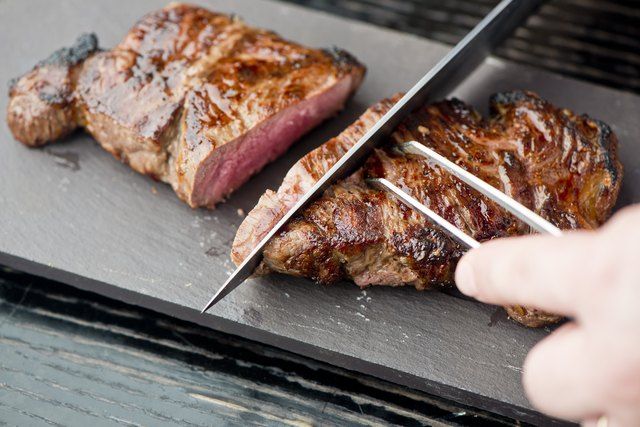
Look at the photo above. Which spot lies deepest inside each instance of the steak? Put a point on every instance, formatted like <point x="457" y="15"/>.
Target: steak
<point x="561" y="165"/>
<point x="193" y="98"/>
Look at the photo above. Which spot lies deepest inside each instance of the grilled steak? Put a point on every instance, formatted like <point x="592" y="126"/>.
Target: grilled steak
<point x="561" y="165"/>
<point x="193" y="98"/>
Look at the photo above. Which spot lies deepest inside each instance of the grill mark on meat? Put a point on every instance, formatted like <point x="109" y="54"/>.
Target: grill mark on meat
<point x="187" y="95"/>
<point x="561" y="165"/>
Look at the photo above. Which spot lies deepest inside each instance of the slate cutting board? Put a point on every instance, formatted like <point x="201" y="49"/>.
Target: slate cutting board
<point x="72" y="213"/>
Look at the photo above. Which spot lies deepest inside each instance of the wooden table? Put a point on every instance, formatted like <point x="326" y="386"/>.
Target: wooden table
<point x="69" y="357"/>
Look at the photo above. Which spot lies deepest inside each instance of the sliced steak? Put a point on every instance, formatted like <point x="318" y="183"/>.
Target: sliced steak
<point x="193" y="98"/>
<point x="301" y="177"/>
<point x="561" y="165"/>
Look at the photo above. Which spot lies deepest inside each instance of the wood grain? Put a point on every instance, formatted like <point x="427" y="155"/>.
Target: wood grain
<point x="71" y="358"/>
<point x="73" y="214"/>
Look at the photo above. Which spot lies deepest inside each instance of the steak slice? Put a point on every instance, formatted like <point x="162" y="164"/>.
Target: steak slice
<point x="299" y="179"/>
<point x="561" y="165"/>
<point x="193" y="98"/>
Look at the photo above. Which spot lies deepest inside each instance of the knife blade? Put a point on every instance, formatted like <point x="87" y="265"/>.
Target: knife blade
<point x="451" y="70"/>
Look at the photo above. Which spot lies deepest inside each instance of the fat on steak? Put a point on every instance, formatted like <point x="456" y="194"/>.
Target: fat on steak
<point x="193" y="98"/>
<point x="562" y="165"/>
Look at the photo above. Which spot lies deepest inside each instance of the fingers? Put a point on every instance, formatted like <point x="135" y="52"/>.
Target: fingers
<point x="607" y="421"/>
<point x="591" y="422"/>
<point x="627" y="217"/>
<point x="558" y="376"/>
<point x="548" y="273"/>
<point x="595" y="422"/>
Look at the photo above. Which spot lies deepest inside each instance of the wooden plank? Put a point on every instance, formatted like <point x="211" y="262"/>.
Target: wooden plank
<point x="72" y="213"/>
<point x="74" y="357"/>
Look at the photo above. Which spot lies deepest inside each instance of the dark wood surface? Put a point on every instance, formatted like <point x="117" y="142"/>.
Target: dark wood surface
<point x="439" y="320"/>
<point x="69" y="357"/>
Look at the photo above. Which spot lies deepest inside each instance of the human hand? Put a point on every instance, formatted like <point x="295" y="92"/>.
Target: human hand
<point x="590" y="366"/>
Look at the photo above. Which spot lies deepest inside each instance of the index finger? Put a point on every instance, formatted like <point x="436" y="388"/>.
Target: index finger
<point x="544" y="272"/>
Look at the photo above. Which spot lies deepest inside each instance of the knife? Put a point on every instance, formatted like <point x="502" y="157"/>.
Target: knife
<point x="451" y="70"/>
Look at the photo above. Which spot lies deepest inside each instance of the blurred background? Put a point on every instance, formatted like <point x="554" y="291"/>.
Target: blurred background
<point x="595" y="40"/>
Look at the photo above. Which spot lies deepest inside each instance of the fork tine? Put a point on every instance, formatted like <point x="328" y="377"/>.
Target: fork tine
<point x="517" y="209"/>
<point x="409" y="200"/>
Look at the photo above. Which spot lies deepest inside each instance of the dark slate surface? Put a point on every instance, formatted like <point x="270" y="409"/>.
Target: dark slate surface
<point x="72" y="213"/>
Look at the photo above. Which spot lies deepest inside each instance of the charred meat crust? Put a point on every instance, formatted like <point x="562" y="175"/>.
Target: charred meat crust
<point x="84" y="46"/>
<point x="561" y="165"/>
<point x="532" y="317"/>
<point x="42" y="103"/>
<point x="609" y="143"/>
<point x="343" y="59"/>
<point x="12" y="84"/>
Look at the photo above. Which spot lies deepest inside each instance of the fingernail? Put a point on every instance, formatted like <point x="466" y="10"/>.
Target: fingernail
<point x="465" y="280"/>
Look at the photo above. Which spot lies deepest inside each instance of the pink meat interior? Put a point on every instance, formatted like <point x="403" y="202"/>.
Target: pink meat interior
<point x="234" y="163"/>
